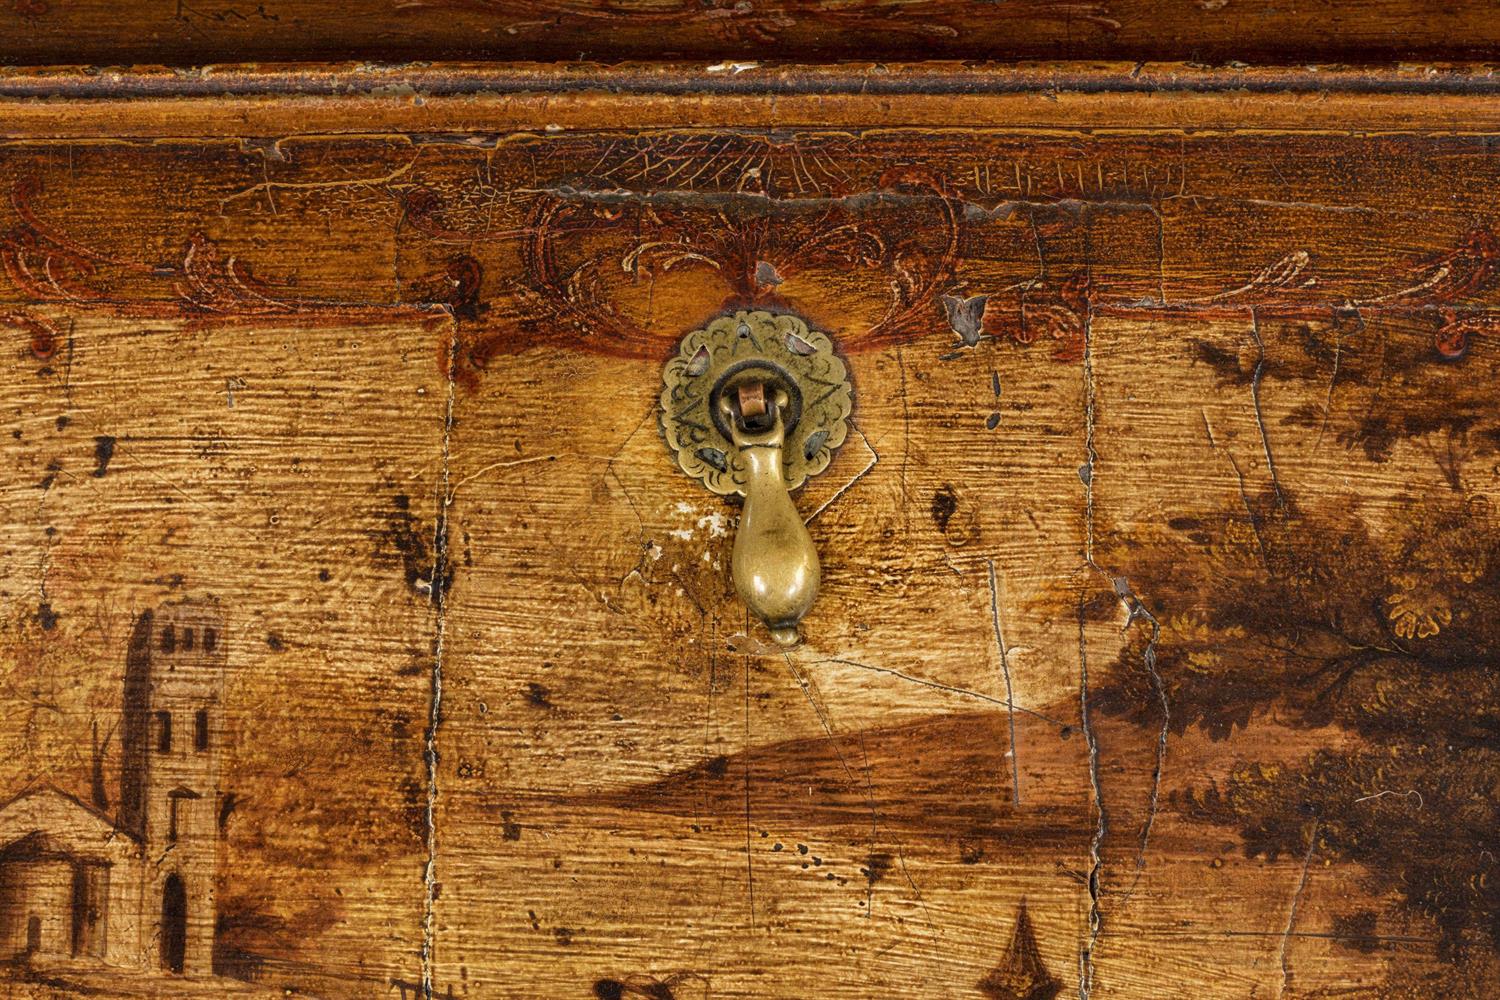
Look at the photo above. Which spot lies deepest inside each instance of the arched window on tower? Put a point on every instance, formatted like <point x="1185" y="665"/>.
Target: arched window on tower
<point x="178" y="810"/>
<point x="168" y="639"/>
<point x="210" y="639"/>
<point x="187" y="638"/>
<point x="200" y="730"/>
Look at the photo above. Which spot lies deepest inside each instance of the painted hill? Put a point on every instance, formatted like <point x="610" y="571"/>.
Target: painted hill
<point x="949" y="780"/>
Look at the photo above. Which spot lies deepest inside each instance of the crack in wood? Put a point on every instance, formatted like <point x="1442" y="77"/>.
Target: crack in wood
<point x="441" y="533"/>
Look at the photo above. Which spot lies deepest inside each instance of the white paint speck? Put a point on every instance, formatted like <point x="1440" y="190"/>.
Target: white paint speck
<point x="716" y="523"/>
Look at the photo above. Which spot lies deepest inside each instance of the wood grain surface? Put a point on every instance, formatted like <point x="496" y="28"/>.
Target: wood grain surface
<point x="180" y="32"/>
<point x="1155" y="653"/>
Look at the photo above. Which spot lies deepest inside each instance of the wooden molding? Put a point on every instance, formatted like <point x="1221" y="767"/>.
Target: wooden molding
<point x="260" y="101"/>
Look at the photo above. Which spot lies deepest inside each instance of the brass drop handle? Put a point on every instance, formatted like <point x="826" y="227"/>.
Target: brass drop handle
<point x="775" y="564"/>
<point x="755" y="403"/>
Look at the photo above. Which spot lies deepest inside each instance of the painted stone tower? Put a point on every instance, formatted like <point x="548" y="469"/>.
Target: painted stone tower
<point x="171" y="739"/>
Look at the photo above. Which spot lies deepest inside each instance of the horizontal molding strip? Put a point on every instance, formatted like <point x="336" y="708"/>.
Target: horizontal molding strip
<point x="462" y="98"/>
<point x="748" y="77"/>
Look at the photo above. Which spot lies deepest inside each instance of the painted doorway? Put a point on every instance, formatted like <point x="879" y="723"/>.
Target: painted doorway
<point x="90" y="897"/>
<point x="173" y="923"/>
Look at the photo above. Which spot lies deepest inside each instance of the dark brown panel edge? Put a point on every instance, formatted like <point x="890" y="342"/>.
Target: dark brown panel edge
<point x="110" y="32"/>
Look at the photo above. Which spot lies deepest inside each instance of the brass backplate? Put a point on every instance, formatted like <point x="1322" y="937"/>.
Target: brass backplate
<point x="778" y="348"/>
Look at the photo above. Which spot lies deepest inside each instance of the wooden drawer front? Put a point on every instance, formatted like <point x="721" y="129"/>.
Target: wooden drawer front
<point x="1158" y="569"/>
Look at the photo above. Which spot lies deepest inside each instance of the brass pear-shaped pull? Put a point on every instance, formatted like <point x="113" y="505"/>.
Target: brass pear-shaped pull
<point x="775" y="565"/>
<point x="754" y="404"/>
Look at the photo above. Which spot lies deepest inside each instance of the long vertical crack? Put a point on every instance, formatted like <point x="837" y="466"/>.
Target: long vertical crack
<point x="439" y="593"/>
<point x="1260" y="417"/>
<point x="1291" y="916"/>
<point x="1096" y="860"/>
<point x="1086" y="474"/>
<point x="1010" y="698"/>
<point x="1138" y="610"/>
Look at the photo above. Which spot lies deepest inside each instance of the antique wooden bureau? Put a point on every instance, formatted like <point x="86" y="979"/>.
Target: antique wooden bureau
<point x="695" y="499"/>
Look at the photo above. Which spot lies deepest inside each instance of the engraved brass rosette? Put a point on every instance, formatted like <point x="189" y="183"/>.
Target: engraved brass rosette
<point x="770" y="347"/>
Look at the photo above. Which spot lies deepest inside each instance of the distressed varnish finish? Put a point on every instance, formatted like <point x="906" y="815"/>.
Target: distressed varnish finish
<point x="388" y="390"/>
<point x="101" y="32"/>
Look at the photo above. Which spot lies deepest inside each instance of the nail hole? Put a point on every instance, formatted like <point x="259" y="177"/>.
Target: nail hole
<point x="714" y="457"/>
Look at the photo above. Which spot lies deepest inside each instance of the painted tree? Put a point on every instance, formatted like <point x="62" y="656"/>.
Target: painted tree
<point x="1417" y="364"/>
<point x="1021" y="974"/>
<point x="1306" y="613"/>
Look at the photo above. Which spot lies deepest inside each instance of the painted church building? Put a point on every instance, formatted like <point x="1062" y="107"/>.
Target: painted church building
<point x="134" y="889"/>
